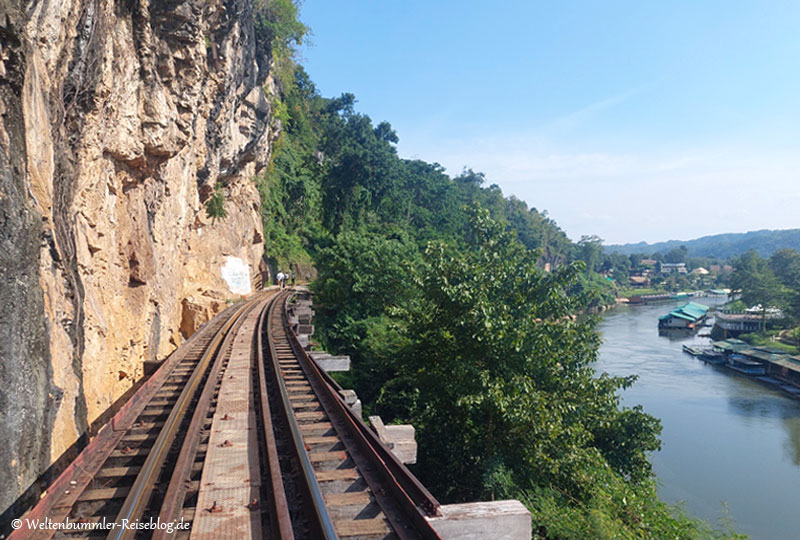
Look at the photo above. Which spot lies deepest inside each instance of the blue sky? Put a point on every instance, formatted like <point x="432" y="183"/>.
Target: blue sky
<point x="629" y="120"/>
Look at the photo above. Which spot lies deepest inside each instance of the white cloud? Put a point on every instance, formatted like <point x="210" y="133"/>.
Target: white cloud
<point x="579" y="117"/>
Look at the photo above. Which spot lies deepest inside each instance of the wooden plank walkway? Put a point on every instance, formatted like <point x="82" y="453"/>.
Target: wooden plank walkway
<point x="231" y="475"/>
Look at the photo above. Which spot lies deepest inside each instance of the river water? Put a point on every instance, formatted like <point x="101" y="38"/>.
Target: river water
<point x="730" y="445"/>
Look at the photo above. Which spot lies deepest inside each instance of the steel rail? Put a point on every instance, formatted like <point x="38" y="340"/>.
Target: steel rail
<point x="136" y="501"/>
<point x="65" y="491"/>
<point x="410" y="483"/>
<point x="383" y="471"/>
<point x="281" y="521"/>
<point x="176" y="489"/>
<point x="320" y="520"/>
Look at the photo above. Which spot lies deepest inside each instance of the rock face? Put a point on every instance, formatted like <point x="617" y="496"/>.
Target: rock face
<point x="117" y="119"/>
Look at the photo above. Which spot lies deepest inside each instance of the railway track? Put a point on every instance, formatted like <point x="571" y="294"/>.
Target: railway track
<point x="352" y="486"/>
<point x="240" y="435"/>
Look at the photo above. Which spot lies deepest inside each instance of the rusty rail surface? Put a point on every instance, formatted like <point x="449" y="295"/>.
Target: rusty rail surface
<point x="391" y="494"/>
<point x="320" y="522"/>
<point x="418" y="493"/>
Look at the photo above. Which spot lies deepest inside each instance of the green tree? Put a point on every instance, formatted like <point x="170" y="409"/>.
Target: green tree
<point x="276" y="21"/>
<point x="590" y="249"/>
<point x="432" y="205"/>
<point x="677" y="255"/>
<point x="215" y="205"/>
<point x="290" y="188"/>
<point x="470" y="178"/>
<point x="758" y="284"/>
<point x="278" y="32"/>
<point x="785" y="264"/>
<point x="363" y="276"/>
<point x="619" y="265"/>
<point x="536" y="231"/>
<point x="362" y="172"/>
<point x="502" y="374"/>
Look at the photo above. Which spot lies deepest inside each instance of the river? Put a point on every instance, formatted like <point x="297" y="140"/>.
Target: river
<point x="730" y="445"/>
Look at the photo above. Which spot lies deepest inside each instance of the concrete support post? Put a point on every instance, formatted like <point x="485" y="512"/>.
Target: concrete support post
<point x="330" y="363"/>
<point x="400" y="439"/>
<point x="498" y="520"/>
<point x="352" y="400"/>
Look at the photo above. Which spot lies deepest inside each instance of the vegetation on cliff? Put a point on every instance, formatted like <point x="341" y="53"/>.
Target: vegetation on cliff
<point x="215" y="205"/>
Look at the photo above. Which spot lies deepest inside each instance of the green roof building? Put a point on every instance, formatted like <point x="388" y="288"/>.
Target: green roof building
<point x="684" y="317"/>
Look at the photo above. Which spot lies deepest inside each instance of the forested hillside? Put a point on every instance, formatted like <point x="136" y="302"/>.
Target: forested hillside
<point x="459" y="308"/>
<point x="720" y="246"/>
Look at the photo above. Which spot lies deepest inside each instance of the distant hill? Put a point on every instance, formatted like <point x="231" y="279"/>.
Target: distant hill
<point x="722" y="246"/>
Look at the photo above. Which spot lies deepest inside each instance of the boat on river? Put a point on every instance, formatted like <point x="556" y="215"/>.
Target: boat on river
<point x="705" y="354"/>
<point x="649" y="298"/>
<point x="710" y="356"/>
<point x="742" y="364"/>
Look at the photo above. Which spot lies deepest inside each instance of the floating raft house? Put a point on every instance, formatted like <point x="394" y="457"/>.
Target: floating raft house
<point x="686" y="317"/>
<point x="731" y="345"/>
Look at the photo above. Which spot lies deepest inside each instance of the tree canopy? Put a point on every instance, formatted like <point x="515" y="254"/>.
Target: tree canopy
<point x="758" y="284"/>
<point x="499" y="362"/>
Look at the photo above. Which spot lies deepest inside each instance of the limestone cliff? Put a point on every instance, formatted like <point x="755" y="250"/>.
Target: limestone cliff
<point x="117" y="119"/>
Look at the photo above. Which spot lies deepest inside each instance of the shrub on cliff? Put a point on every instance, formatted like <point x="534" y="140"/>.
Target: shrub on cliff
<point x="215" y="205"/>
